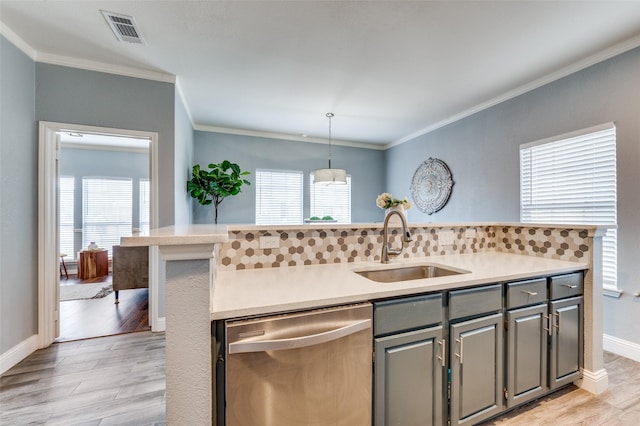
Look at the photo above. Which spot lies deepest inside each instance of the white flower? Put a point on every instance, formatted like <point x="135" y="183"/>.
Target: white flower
<point x="386" y="200"/>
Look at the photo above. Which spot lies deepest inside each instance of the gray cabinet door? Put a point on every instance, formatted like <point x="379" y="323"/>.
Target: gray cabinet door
<point x="408" y="378"/>
<point x="566" y="341"/>
<point x="526" y="354"/>
<point x="476" y="369"/>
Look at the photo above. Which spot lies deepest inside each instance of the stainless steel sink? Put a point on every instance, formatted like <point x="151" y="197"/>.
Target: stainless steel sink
<point x="406" y="273"/>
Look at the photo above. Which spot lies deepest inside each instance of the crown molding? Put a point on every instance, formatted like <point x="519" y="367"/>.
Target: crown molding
<point x="106" y="68"/>
<point x="601" y="56"/>
<point x="17" y="41"/>
<point x="184" y="100"/>
<point x="284" y="136"/>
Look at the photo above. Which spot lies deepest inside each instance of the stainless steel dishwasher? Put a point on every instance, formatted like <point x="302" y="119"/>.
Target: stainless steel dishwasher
<point x="310" y="368"/>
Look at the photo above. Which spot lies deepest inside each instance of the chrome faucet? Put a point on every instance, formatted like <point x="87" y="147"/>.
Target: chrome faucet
<point x="406" y="237"/>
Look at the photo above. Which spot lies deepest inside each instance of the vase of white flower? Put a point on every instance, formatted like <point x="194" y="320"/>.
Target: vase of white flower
<point x="388" y="203"/>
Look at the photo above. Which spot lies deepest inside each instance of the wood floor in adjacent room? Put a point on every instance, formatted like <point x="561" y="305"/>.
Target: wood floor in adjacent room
<point x="120" y="380"/>
<point x="86" y="318"/>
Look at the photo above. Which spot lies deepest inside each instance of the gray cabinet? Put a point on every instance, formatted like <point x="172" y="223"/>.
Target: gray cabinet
<point x="527" y="348"/>
<point x="476" y="369"/>
<point x="506" y="344"/>
<point x="409" y="362"/>
<point x="408" y="378"/>
<point x="565" y="354"/>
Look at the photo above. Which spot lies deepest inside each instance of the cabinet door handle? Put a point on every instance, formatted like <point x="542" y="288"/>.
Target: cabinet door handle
<point x="557" y="322"/>
<point x="530" y="293"/>
<point x="461" y="354"/>
<point x="548" y="328"/>
<point x="441" y="357"/>
<point x="569" y="286"/>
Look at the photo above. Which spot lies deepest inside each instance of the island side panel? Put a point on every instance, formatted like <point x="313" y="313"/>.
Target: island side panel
<point x="188" y="335"/>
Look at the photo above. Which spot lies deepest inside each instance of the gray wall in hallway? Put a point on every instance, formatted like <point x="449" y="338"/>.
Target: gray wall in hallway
<point x="18" y="198"/>
<point x="366" y="167"/>
<point x="482" y="152"/>
<point x="70" y="95"/>
<point x="183" y="160"/>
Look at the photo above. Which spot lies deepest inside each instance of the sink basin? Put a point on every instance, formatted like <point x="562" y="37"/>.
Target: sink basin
<point x="406" y="273"/>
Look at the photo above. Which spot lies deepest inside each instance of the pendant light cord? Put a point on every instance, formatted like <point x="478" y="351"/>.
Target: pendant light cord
<point x="329" y="115"/>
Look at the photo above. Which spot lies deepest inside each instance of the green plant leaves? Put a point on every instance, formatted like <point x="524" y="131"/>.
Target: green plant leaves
<point x="214" y="185"/>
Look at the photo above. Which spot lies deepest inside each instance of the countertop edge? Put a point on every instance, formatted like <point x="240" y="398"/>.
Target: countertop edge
<point x="369" y="291"/>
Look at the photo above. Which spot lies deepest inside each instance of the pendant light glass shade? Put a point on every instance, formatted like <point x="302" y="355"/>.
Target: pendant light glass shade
<point x="330" y="176"/>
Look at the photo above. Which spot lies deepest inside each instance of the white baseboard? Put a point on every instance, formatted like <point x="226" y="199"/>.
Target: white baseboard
<point x="621" y="347"/>
<point x="19" y="352"/>
<point x="594" y="382"/>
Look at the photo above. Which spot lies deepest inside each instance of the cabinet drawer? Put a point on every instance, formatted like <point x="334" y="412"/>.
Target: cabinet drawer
<point x="566" y="286"/>
<point x="523" y="293"/>
<point x="475" y="301"/>
<point x="409" y="313"/>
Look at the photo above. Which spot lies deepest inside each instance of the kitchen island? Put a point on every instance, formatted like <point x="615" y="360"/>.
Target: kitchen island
<point x="218" y="272"/>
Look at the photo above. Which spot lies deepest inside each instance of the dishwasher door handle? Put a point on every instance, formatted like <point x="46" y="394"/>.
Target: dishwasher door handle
<point x="298" y="342"/>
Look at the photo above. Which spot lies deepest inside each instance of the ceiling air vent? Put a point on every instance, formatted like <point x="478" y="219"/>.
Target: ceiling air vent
<point x="124" y="27"/>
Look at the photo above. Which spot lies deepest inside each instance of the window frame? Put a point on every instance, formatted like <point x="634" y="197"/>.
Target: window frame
<point x="293" y="204"/>
<point x="342" y="190"/>
<point x="563" y="185"/>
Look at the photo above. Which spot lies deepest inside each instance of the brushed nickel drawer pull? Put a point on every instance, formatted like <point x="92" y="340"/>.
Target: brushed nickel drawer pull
<point x="530" y="293"/>
<point x="569" y="286"/>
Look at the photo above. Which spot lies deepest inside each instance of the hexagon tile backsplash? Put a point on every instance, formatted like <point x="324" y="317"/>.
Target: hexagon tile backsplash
<point x="315" y="246"/>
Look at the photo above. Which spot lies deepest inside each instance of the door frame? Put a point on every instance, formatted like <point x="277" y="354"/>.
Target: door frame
<point x="48" y="234"/>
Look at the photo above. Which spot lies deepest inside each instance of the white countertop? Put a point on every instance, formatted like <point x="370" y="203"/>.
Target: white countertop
<point x="272" y="290"/>
<point x="177" y="235"/>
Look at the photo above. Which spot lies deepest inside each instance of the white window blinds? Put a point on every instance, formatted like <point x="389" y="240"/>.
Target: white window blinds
<point x="572" y="179"/>
<point x="278" y="197"/>
<point x="106" y="211"/>
<point x="66" y="215"/>
<point x="331" y="200"/>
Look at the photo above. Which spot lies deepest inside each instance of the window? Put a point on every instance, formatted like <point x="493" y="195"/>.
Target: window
<point x="106" y="211"/>
<point x="278" y="197"/>
<point x="66" y="200"/>
<point x="144" y="206"/>
<point x="331" y="200"/>
<point x="572" y="179"/>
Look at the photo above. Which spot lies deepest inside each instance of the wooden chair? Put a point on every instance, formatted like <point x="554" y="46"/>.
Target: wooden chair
<point x="63" y="266"/>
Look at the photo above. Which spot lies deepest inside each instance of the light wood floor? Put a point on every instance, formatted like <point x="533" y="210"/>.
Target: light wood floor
<point x="115" y="380"/>
<point x="120" y="380"/>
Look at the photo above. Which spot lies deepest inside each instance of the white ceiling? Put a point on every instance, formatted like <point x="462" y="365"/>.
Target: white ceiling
<point x="389" y="70"/>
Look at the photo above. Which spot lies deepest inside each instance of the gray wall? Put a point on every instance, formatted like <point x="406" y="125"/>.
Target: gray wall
<point x="183" y="160"/>
<point x="70" y="95"/>
<point x="366" y="167"/>
<point x="18" y="198"/>
<point x="482" y="153"/>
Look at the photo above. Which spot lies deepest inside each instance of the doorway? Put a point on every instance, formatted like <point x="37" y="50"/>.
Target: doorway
<point x="85" y="172"/>
<point x="103" y="194"/>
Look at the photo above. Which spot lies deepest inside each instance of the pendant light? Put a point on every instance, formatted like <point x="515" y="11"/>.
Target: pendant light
<point x="330" y="176"/>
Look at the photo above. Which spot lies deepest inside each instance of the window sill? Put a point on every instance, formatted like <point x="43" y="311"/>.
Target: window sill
<point x="612" y="292"/>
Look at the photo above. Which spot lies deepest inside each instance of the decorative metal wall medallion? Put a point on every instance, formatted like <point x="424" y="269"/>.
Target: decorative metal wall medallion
<point x="431" y="185"/>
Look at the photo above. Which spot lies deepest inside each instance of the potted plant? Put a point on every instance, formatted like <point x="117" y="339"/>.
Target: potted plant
<point x="214" y="185"/>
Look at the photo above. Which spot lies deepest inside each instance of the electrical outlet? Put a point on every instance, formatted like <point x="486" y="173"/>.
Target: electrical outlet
<point x="269" y="242"/>
<point x="470" y="233"/>
<point x="445" y="238"/>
